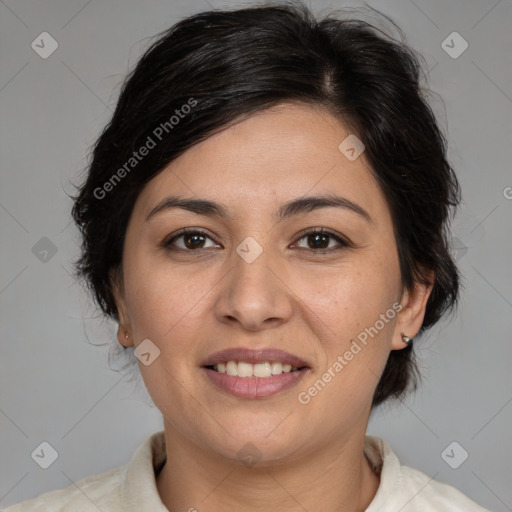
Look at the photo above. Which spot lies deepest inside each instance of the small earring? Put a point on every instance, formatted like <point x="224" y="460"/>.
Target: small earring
<point x="126" y="335"/>
<point x="408" y="341"/>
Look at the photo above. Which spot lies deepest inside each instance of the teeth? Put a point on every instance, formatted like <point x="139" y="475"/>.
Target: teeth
<point x="232" y="368"/>
<point x="276" y="368"/>
<point x="262" y="370"/>
<point x="245" y="370"/>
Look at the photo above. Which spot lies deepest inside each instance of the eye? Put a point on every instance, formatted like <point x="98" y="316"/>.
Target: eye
<point x="192" y="239"/>
<point x="318" y="240"/>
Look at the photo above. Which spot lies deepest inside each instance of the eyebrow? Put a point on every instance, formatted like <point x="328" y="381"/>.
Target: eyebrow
<point x="289" y="209"/>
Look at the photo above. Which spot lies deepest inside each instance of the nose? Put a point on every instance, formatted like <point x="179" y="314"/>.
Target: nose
<point x="255" y="295"/>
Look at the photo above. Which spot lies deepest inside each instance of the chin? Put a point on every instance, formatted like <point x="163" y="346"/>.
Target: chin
<point x="263" y="443"/>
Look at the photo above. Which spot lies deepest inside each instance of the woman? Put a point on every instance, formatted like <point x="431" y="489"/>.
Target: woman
<point x="265" y="217"/>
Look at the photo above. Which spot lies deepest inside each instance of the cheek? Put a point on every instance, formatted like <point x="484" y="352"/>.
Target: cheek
<point x="163" y="307"/>
<point x="160" y="298"/>
<point x="355" y="344"/>
<point x="352" y="311"/>
<point x="350" y="298"/>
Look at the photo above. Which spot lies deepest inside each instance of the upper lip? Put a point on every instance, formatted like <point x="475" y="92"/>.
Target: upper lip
<point x="253" y="356"/>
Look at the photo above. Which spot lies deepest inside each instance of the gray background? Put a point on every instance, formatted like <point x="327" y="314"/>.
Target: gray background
<point x="55" y="380"/>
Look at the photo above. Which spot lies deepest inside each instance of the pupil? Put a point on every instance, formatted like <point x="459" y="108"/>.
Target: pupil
<point x="191" y="237"/>
<point x="317" y="238"/>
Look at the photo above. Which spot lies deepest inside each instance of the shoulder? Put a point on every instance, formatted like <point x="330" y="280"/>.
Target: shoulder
<point x="88" y="494"/>
<point x="409" y="490"/>
<point x="131" y="487"/>
<point x="430" y="495"/>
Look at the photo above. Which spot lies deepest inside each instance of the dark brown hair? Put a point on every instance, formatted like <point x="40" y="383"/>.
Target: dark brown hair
<point x="225" y="65"/>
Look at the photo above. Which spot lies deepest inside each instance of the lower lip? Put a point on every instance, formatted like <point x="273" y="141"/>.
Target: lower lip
<point x="254" y="387"/>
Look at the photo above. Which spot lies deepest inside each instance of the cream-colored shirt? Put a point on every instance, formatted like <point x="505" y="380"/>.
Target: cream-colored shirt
<point x="132" y="487"/>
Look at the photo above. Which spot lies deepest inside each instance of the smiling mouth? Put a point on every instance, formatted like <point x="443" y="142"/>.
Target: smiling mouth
<point x="262" y="370"/>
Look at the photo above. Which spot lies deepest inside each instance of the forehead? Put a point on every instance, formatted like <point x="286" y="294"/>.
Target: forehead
<point x="273" y="156"/>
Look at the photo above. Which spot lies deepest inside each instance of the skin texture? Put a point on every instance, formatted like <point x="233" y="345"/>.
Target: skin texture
<point x="192" y="304"/>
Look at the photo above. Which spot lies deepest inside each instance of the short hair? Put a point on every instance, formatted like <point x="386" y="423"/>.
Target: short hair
<point x="225" y="66"/>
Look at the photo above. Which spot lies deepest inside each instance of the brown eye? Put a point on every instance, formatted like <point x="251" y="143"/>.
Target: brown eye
<point x="189" y="240"/>
<point x="320" y="240"/>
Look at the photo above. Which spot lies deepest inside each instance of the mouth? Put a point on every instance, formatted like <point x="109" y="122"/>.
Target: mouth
<point x="246" y="370"/>
<point x="254" y="374"/>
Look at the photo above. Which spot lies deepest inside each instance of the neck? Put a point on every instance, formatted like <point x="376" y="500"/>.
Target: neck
<point x="337" y="477"/>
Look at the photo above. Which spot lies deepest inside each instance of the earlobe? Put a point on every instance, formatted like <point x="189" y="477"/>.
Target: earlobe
<point x="410" y="317"/>
<point x="123" y="337"/>
<point x="123" y="332"/>
<point x="408" y="341"/>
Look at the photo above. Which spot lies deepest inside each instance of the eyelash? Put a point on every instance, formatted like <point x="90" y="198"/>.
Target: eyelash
<point x="343" y="243"/>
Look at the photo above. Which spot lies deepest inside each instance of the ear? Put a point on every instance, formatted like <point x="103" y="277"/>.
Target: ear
<point x="410" y="317"/>
<point x="124" y="336"/>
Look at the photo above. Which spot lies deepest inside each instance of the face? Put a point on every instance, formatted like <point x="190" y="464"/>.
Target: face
<point x="315" y="287"/>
